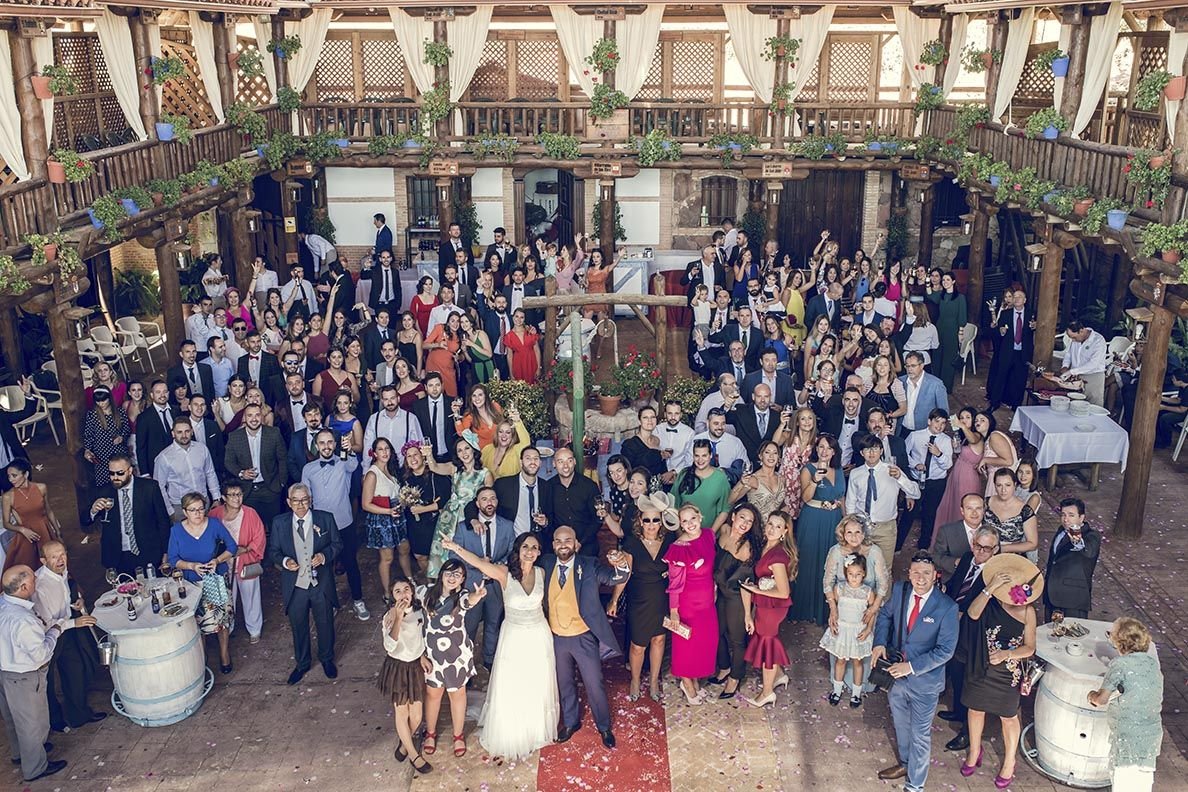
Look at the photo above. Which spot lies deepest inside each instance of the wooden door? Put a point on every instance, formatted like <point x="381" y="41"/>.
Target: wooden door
<point x="564" y="224"/>
<point x="825" y="200"/>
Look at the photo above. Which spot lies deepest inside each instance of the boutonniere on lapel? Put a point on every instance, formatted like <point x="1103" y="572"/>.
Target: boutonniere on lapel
<point x="317" y="531"/>
<point x="929" y="620"/>
<point x="579" y="571"/>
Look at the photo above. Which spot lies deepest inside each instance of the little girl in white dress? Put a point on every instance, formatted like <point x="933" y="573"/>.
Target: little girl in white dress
<point x="850" y="640"/>
<point x="701" y="309"/>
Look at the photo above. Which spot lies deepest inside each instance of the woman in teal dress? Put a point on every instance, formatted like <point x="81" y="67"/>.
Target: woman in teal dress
<point x="704" y="486"/>
<point x="468" y="476"/>
<point x="952" y="315"/>
<point x="823" y="487"/>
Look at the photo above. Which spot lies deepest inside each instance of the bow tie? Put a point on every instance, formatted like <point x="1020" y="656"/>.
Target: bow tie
<point x="674" y="431"/>
<point x="519" y="288"/>
<point x="326" y="464"/>
<point x="850" y="421"/>
<point x="253" y="357"/>
<point x="298" y="404"/>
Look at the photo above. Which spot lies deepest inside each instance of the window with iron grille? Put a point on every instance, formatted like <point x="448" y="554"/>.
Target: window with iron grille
<point x="719" y="198"/>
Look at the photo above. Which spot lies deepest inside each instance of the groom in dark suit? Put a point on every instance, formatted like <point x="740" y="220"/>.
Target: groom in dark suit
<point x="582" y="635"/>
<point x="491" y="537"/>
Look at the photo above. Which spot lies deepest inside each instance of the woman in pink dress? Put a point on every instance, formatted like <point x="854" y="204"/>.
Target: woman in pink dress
<point x="797" y="450"/>
<point x="691" y="603"/>
<point x="964" y="477"/>
<point x="237" y="310"/>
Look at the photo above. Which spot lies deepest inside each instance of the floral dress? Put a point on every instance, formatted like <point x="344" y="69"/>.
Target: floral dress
<point x="993" y="689"/>
<point x="465" y="486"/>
<point x="795" y="457"/>
<point x="446" y="643"/>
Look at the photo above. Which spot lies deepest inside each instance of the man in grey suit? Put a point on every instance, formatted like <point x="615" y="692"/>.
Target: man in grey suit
<point x="956" y="539"/>
<point x="490" y="536"/>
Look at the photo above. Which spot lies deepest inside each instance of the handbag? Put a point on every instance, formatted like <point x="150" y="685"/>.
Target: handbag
<point x="383" y="501"/>
<point x="251" y="571"/>
<point x="214" y="606"/>
<point x="677" y="628"/>
<point x="880" y="677"/>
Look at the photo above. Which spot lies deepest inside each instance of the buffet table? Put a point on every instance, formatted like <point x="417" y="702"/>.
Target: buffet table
<point x="159" y="668"/>
<point x="1061" y="438"/>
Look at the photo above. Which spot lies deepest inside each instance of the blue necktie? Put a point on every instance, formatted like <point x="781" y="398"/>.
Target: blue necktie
<point x="563" y="570"/>
<point x="872" y="491"/>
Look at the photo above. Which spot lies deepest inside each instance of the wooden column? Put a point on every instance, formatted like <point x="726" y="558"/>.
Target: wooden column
<point x="10" y="342"/>
<point x="441" y="76"/>
<point x="1133" y="503"/>
<point x="606" y="230"/>
<point x="282" y="65"/>
<point x="244" y="244"/>
<point x="1078" y="54"/>
<point x="925" y="252"/>
<point x="946" y="38"/>
<point x="977" y="258"/>
<point x="70" y="380"/>
<point x="150" y="110"/>
<point x="660" y="323"/>
<point x="445" y="206"/>
<point x="998" y="37"/>
<point x="33" y="137"/>
<point x="171" y="302"/>
<point x="225" y="44"/>
<point x="783" y="28"/>
<point x="518" y="232"/>
<point x="775" y="191"/>
<point x="1047" y="304"/>
<point x="1174" y="206"/>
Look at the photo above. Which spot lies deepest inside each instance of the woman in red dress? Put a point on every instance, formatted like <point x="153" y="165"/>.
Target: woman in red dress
<point x="777" y="564"/>
<point x="335" y="378"/>
<point x="423" y="303"/>
<point x="523" y="355"/>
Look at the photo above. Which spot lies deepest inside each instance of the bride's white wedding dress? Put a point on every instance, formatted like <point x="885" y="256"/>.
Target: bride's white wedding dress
<point x="522" y="708"/>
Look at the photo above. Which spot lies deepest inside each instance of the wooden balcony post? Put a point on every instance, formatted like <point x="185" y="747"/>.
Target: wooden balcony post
<point x="998" y="38"/>
<point x="1047" y="303"/>
<point x="445" y="207"/>
<point x="244" y="246"/>
<point x="150" y="110"/>
<point x="783" y="28"/>
<point x="1133" y="503"/>
<point x="33" y="137"/>
<point x="225" y="45"/>
<point x="606" y="227"/>
<point x="1078" y="53"/>
<point x="660" y="323"/>
<point x="171" y="302"/>
<point x="974" y="289"/>
<point x="924" y="255"/>
<point x="10" y="343"/>
<point x="441" y="76"/>
<point x="946" y="38"/>
<point x="282" y="65"/>
<point x="775" y="190"/>
<point x="1173" y="207"/>
<point x="70" y="380"/>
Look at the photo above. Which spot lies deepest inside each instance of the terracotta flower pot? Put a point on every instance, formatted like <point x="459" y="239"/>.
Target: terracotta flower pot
<point x="158" y="198"/>
<point x="233" y="59"/>
<point x="56" y="172"/>
<point x="781" y="103"/>
<point x="1081" y="208"/>
<point x="1170" y="256"/>
<point x="987" y="60"/>
<point x="41" y="87"/>
<point x="781" y="51"/>
<point x="1175" y="88"/>
<point x="51" y="252"/>
<point x="609" y="405"/>
<point x="1158" y="161"/>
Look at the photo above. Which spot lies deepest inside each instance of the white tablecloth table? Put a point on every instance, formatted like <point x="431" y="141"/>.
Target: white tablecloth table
<point x="1058" y="441"/>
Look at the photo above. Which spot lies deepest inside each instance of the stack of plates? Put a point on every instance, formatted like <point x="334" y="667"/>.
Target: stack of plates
<point x="1060" y="403"/>
<point x="1078" y="405"/>
<point x="1095" y="410"/>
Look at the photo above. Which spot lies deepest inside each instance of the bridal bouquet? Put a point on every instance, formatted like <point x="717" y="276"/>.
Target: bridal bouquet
<point x="410" y="496"/>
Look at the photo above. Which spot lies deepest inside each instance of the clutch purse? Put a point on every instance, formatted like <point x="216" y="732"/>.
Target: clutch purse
<point x="383" y="501"/>
<point x="677" y="628"/>
<point x="251" y="571"/>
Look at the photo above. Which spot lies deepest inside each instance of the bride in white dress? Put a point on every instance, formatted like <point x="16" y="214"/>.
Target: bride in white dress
<point x="522" y="708"/>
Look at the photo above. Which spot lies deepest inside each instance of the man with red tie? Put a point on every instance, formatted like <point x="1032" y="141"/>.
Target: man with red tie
<point x="1015" y="346"/>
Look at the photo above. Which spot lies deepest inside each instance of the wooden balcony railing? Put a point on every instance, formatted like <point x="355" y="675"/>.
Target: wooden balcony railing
<point x="22" y="211"/>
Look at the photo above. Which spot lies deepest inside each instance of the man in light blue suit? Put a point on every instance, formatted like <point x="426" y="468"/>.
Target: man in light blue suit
<point x="924" y="392"/>
<point x="921" y="622"/>
<point x="490" y="536"/>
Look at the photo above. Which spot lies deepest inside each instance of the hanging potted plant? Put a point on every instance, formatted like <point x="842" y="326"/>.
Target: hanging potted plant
<point x="732" y="145"/>
<point x="656" y="146"/>
<point x="781" y="100"/>
<point x="174" y="127"/>
<point x="1151" y="171"/>
<point x="285" y="47"/>
<point x="164" y="192"/>
<point x="929" y="97"/>
<point x="1156" y="84"/>
<point x="45" y="246"/>
<point x="1054" y="59"/>
<point x="437" y="53"/>
<point x="610" y="397"/>
<point x="67" y="166"/>
<point x="107" y="213"/>
<point x="162" y="70"/>
<point x="933" y="54"/>
<point x="54" y="80"/>
<point x="251" y="63"/>
<point x="288" y="99"/>
<point x="558" y="145"/>
<point x="134" y="199"/>
<point x="1046" y="123"/>
<point x="1168" y="241"/>
<point x="500" y="146"/>
<point x="1082" y="199"/>
<point x="247" y="121"/>
<point x="977" y="60"/>
<point x="605" y="56"/>
<point x="781" y="47"/>
<point x="1107" y="209"/>
<point x="436" y="104"/>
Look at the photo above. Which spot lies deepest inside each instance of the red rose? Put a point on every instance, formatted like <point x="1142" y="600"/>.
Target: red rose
<point x="1150" y="204"/>
<point x="1126" y="169"/>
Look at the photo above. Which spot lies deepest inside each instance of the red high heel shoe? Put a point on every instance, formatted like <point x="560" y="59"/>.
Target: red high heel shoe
<point x="968" y="770"/>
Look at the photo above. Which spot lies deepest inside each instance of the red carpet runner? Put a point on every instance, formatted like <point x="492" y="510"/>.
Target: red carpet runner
<point x="639" y="763"/>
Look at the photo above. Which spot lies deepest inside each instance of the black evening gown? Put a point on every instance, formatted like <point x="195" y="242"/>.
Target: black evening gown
<point x="647" y="589"/>
<point x="993" y="689"/>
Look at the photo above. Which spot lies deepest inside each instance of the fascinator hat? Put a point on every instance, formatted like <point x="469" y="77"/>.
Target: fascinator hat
<point x="470" y="437"/>
<point x="661" y="502"/>
<point x="1027" y="582"/>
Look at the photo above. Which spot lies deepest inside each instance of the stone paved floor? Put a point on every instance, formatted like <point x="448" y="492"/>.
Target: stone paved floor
<point x="256" y="733"/>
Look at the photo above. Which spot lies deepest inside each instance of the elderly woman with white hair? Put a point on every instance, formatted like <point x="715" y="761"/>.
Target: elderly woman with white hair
<point x="646" y="541"/>
<point x="854" y="538"/>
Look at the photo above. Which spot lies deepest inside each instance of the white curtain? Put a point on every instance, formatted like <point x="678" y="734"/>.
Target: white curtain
<point x="263" y="30"/>
<point x="1062" y="44"/>
<point x="1103" y="39"/>
<point x="748" y="34"/>
<point x="466" y="35"/>
<point x="1014" y="60"/>
<point x="637" y="36"/>
<point x="202" y="37"/>
<point x="578" y="35"/>
<point x="12" y="149"/>
<point x="43" y="53"/>
<point x="914" y="33"/>
<point x="411" y="33"/>
<point x="956" y="44"/>
<point x="312" y="31"/>
<point x="115" y="39"/>
<point x="812" y="30"/>
<point x="1177" y="47"/>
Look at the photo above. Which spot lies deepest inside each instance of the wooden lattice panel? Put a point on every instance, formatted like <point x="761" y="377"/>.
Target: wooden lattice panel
<point x="1037" y="83"/>
<point x="253" y="90"/>
<point x="850" y="77"/>
<point x="490" y="78"/>
<point x="383" y="70"/>
<point x="694" y="65"/>
<point x="79" y="115"/>
<point x="812" y="89"/>
<point x="186" y="96"/>
<point x="1152" y="55"/>
<point x="538" y="62"/>
<point x="653" y="87"/>
<point x="335" y="73"/>
<point x="1146" y="133"/>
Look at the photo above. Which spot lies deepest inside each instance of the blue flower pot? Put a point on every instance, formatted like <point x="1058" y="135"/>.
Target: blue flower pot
<point x="829" y="147"/>
<point x="130" y="206"/>
<point x="874" y="145"/>
<point x="666" y="144"/>
<point x="735" y="146"/>
<point x="95" y="221"/>
<point x="1116" y="218"/>
<point x="995" y="181"/>
<point x="1049" y="197"/>
<point x="411" y="144"/>
<point x="890" y="148"/>
<point x="280" y="54"/>
<point x="1060" y="67"/>
<point x="1051" y="132"/>
<point x="164" y="132"/>
<point x="214" y="182"/>
<point x="261" y="151"/>
<point x="342" y="142"/>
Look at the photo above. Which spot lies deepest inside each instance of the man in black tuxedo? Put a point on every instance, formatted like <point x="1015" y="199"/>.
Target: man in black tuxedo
<point x="1014" y="349"/>
<point x="496" y="321"/>
<point x="433" y="414"/>
<point x="375" y="335"/>
<point x="747" y="332"/>
<point x="963" y="586"/>
<point x="288" y="407"/>
<point x="257" y="366"/>
<point x="341" y="288"/>
<point x="501" y="248"/>
<point x="783" y="389"/>
<point x="207" y="432"/>
<point x="383" y="235"/>
<point x="132" y="516"/>
<point x="845" y="417"/>
<point x="198" y="377"/>
<point x="756" y="423"/>
<point x="385" y="287"/>
<point x="828" y="304"/>
<point x="303" y="545"/>
<point x="523" y="498"/>
<point x="517" y="290"/>
<point x="303" y="447"/>
<point x="256" y="456"/>
<point x="447" y="253"/>
<point x="1072" y="557"/>
<point x="894" y="447"/>
<point x="154" y="427"/>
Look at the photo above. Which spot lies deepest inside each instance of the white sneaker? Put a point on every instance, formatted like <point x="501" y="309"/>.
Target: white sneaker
<point x="361" y="611"/>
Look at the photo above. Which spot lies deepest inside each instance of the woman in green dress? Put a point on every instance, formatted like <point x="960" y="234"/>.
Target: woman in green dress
<point x="952" y="316"/>
<point x="705" y="486"/>
<point x="477" y="347"/>
<point x="467" y="477"/>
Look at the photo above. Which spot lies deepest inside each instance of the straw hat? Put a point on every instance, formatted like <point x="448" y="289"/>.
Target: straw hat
<point x="663" y="503"/>
<point x="1027" y="582"/>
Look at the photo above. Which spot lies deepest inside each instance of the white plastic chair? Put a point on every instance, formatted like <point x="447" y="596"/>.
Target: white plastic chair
<point x="53" y="401"/>
<point x="1117" y="346"/>
<point x="106" y="343"/>
<point x="966" y="349"/>
<point x="145" y="335"/>
<point x="12" y="399"/>
<point x="87" y="374"/>
<point x="1180" y="442"/>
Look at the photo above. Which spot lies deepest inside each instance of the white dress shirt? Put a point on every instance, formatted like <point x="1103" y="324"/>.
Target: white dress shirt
<point x="179" y="470"/>
<point x="728" y="447"/>
<point x="1088" y="356"/>
<point x="398" y="428"/>
<point x="439" y="314"/>
<point x="304" y="292"/>
<point x="674" y="439"/>
<point x="849" y="427"/>
<point x="254" y="449"/>
<point x="886" y="501"/>
<point x="51" y="599"/>
<point x="321" y="248"/>
<point x="912" y="390"/>
<point x="26" y="644"/>
<point x="918" y="454"/>
<point x="701" y="421"/>
<point x="523" y="519"/>
<point x="199" y="327"/>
